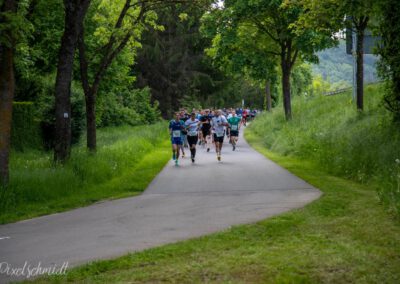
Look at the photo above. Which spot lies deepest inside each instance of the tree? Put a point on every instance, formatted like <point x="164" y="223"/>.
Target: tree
<point x="119" y="36"/>
<point x="333" y="15"/>
<point x="241" y="50"/>
<point x="75" y="11"/>
<point x="13" y="28"/>
<point x="277" y="21"/>
<point x="7" y="84"/>
<point x="172" y="61"/>
<point x="133" y="18"/>
<point x="389" y="28"/>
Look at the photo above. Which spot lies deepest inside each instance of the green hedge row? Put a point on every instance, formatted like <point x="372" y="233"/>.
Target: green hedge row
<point x="25" y="130"/>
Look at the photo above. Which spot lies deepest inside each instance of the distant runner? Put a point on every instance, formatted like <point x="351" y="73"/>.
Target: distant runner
<point x="244" y="116"/>
<point x="192" y="127"/>
<point x="206" y="129"/>
<point x="175" y="129"/>
<point x="219" y="123"/>
<point x="234" y="125"/>
<point x="184" y="116"/>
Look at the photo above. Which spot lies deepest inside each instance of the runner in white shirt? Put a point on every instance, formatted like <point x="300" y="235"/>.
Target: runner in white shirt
<point x="219" y="123"/>
<point x="192" y="127"/>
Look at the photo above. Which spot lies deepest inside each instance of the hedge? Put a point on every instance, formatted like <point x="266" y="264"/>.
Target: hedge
<point x="25" y="131"/>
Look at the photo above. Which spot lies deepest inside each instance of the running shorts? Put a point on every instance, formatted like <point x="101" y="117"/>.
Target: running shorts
<point x="176" y="140"/>
<point x="218" y="139"/>
<point x="192" y="140"/>
<point x="234" y="133"/>
<point x="205" y="132"/>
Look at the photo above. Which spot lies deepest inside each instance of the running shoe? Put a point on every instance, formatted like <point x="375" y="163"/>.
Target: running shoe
<point x="208" y="149"/>
<point x="176" y="163"/>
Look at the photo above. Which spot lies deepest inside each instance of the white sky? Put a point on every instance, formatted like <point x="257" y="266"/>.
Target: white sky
<point x="220" y="4"/>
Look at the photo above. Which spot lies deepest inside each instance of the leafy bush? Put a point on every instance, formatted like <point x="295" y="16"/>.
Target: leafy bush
<point x="25" y="132"/>
<point x="360" y="146"/>
<point x="46" y="112"/>
<point x="130" y="107"/>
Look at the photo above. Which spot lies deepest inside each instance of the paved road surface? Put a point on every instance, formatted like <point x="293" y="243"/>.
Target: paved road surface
<point x="182" y="202"/>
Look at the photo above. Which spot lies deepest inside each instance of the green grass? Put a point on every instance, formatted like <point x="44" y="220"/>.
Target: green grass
<point x="358" y="146"/>
<point x="127" y="159"/>
<point x="344" y="237"/>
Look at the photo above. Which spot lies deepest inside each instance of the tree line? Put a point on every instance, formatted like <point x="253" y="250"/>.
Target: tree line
<point x="191" y="53"/>
<point x="92" y="35"/>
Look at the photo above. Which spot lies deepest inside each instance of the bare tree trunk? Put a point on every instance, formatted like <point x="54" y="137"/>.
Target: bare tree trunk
<point x="268" y="98"/>
<point x="91" y="120"/>
<point x="7" y="88"/>
<point x="286" y="70"/>
<point x="90" y="95"/>
<point x="362" y="25"/>
<point x="75" y="12"/>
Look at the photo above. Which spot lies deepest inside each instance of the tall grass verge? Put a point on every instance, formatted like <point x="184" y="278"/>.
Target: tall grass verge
<point x="364" y="147"/>
<point x="127" y="159"/>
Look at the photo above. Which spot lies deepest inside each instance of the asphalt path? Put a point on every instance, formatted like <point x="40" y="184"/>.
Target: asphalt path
<point x="181" y="203"/>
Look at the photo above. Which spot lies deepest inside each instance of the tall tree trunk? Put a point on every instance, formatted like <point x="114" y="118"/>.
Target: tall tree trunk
<point x="360" y="62"/>
<point x="91" y="120"/>
<point x="268" y="99"/>
<point x="75" y="12"/>
<point x="90" y="95"/>
<point x="286" y="70"/>
<point x="7" y="88"/>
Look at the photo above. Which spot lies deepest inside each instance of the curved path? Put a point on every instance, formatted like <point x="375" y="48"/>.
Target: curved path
<point x="182" y="202"/>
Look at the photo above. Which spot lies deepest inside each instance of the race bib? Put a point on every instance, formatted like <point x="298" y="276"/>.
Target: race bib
<point x="219" y="133"/>
<point x="234" y="127"/>
<point x="176" y="133"/>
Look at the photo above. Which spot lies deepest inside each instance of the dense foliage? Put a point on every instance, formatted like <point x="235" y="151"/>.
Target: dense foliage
<point x="389" y="51"/>
<point x="172" y="62"/>
<point x="119" y="103"/>
<point x="25" y="128"/>
<point x="326" y="130"/>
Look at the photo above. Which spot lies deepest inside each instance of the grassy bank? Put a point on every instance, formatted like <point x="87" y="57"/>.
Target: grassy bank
<point x="363" y="147"/>
<point x="127" y="159"/>
<point x="344" y="237"/>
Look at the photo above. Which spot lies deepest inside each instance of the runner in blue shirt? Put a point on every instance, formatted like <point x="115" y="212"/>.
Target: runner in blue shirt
<point x="175" y="129"/>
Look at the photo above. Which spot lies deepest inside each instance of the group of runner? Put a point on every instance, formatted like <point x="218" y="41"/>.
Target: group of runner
<point x="206" y="127"/>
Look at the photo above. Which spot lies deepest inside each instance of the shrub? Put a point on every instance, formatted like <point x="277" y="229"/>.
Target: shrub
<point x="130" y="107"/>
<point x="25" y="132"/>
<point x="46" y="112"/>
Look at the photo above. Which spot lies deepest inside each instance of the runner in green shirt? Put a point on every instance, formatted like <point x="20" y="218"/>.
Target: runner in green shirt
<point x="234" y="125"/>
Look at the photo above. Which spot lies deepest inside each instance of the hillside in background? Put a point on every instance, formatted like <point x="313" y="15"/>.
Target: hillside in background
<point x="336" y="66"/>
